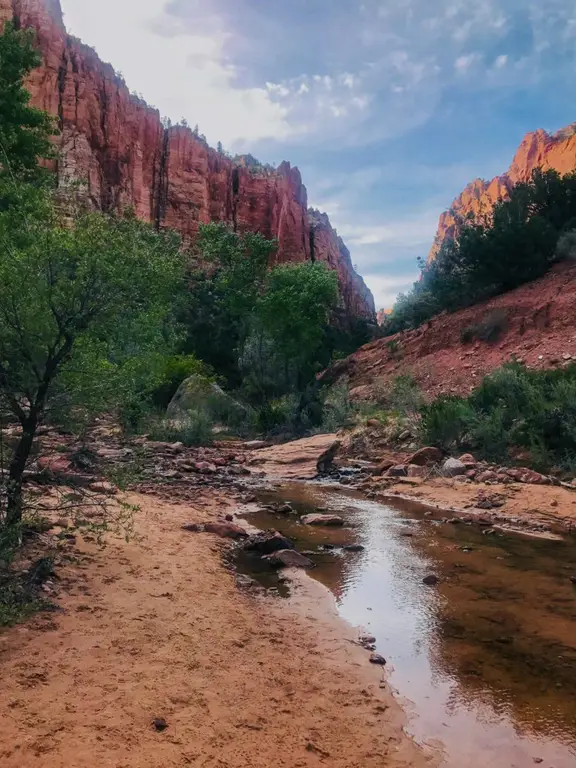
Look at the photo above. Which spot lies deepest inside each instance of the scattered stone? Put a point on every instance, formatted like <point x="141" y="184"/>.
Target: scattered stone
<point x="226" y="530"/>
<point x="238" y="470"/>
<point x="267" y="542"/>
<point x="366" y="639"/>
<point x="329" y="520"/>
<point x="373" y="423"/>
<point x="405" y="435"/>
<point x="254" y="445"/>
<point x="159" y="724"/>
<point x="284" y="509"/>
<point x="431" y="580"/>
<point x="400" y="470"/>
<point x="205" y="468"/>
<point x="384" y="466"/>
<point x="538" y="760"/>
<point x="288" y="558"/>
<point x="417" y="470"/>
<point x="193" y="527"/>
<point x="425" y="456"/>
<point x="354" y="548"/>
<point x="375" y="658"/>
<point x="453" y="468"/>
<point x="230" y="518"/>
<point x="468" y="460"/>
<point x="526" y="475"/>
<point x="488" y="476"/>
<point x="490" y="500"/>
<point x="57" y="464"/>
<point x="102" y="487"/>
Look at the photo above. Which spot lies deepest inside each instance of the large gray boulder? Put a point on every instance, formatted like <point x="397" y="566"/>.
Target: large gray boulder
<point x="197" y="394"/>
<point x="453" y="468"/>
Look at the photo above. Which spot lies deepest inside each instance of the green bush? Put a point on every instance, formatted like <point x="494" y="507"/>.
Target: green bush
<point x="195" y="429"/>
<point x="446" y="422"/>
<point x="512" y="408"/>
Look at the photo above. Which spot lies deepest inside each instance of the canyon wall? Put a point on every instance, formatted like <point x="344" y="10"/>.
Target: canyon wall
<point x="118" y="148"/>
<point x="538" y="150"/>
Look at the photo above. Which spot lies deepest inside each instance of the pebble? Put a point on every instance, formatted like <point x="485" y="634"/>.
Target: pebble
<point x="431" y="580"/>
<point x="375" y="658"/>
<point x="159" y="724"/>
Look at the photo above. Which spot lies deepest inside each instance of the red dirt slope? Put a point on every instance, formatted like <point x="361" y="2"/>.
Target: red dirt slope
<point x="540" y="319"/>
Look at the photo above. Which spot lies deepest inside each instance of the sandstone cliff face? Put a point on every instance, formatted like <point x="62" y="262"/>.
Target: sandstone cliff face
<point x="327" y="247"/>
<point x="537" y="150"/>
<point x="118" y="148"/>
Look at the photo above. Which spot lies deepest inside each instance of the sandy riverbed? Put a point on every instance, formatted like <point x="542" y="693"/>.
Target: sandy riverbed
<point x="156" y="628"/>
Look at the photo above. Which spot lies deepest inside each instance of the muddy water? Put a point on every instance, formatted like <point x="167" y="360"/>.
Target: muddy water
<point x="484" y="662"/>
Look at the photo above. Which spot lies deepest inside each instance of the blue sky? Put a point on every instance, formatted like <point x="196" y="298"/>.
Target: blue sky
<point x="388" y="107"/>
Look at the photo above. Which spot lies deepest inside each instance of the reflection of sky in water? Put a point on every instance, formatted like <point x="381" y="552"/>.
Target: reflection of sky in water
<point x="382" y="590"/>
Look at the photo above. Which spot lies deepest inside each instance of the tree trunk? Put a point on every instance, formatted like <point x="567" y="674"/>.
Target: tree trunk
<point x="17" y="466"/>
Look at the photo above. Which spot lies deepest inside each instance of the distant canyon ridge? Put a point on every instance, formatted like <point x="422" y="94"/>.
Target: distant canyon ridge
<point x="537" y="150"/>
<point x="125" y="157"/>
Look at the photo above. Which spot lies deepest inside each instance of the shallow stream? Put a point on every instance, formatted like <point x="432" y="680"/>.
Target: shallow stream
<point x="484" y="663"/>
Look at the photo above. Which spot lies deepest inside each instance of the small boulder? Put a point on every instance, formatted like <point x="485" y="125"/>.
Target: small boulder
<point x="383" y="467"/>
<point x="193" y="527"/>
<point x="399" y="470"/>
<point x="488" y="476"/>
<point x="416" y="470"/>
<point x="226" y="530"/>
<point x="288" y="558"/>
<point x="102" y="487"/>
<point x="375" y="658"/>
<point x="453" y="467"/>
<point x="425" y="456"/>
<point x="267" y="542"/>
<point x="329" y="520"/>
<point x="255" y="445"/>
<point x="159" y="724"/>
<point x="353" y="548"/>
<point x="431" y="580"/>
<point x="468" y="460"/>
<point x="325" y="461"/>
<point x="205" y="468"/>
<point x="373" y="423"/>
<point x="56" y="463"/>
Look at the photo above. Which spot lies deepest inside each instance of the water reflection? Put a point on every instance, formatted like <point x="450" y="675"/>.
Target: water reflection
<point x="487" y="659"/>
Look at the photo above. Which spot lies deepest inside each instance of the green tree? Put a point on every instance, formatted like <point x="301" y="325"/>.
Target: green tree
<point x="223" y="296"/>
<point x="24" y="131"/>
<point x="88" y="306"/>
<point x="294" y="311"/>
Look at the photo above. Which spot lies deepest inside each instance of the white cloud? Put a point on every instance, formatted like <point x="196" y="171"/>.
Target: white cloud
<point x="501" y="62"/>
<point x="386" y="288"/>
<point x="463" y="63"/>
<point x="184" y="74"/>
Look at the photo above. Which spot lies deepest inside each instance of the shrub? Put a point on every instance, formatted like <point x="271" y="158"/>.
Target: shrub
<point x="445" y="422"/>
<point x="194" y="429"/>
<point x="566" y="248"/>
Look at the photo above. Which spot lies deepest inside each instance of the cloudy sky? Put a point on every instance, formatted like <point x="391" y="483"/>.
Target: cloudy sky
<point x="389" y="107"/>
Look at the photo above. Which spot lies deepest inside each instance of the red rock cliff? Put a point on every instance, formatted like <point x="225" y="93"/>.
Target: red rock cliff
<point x="537" y="150"/>
<point x="118" y="147"/>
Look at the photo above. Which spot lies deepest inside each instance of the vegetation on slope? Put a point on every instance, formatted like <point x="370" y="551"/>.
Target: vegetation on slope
<point x="518" y="243"/>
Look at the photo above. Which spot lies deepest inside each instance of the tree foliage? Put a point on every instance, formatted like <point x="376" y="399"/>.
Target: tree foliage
<point x="24" y="131"/>
<point x="85" y="312"/>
